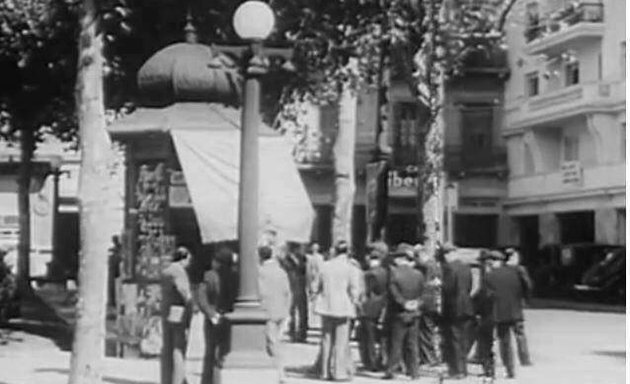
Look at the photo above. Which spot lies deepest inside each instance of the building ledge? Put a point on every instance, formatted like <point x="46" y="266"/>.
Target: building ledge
<point x="556" y="42"/>
<point x="575" y="100"/>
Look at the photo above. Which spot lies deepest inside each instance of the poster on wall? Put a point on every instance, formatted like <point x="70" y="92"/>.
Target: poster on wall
<point x="140" y="323"/>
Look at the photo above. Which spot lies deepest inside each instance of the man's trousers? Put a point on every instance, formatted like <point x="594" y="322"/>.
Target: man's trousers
<point x="273" y="338"/>
<point x="298" y="328"/>
<point x="404" y="331"/>
<point x="370" y="347"/>
<point x="428" y="340"/>
<point x="456" y="344"/>
<point x="521" y="343"/>
<point x="173" y="356"/>
<point x="336" y="362"/>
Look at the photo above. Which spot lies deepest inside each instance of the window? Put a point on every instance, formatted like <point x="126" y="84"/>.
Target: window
<point x="406" y="125"/>
<point x="572" y="73"/>
<point x="533" y="29"/>
<point x="570" y="148"/>
<point x="477" y="121"/>
<point x="531" y="84"/>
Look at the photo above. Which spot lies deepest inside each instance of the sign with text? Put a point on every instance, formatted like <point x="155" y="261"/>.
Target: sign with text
<point x="403" y="181"/>
<point x="571" y="173"/>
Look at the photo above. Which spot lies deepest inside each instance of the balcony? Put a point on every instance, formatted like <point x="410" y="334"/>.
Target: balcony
<point x="313" y="150"/>
<point x="567" y="102"/>
<point x="458" y="159"/>
<point x="492" y="60"/>
<point x="563" y="28"/>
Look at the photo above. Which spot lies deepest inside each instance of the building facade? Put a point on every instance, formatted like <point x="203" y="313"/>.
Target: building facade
<point x="475" y="159"/>
<point x="565" y="124"/>
<point x="475" y="164"/>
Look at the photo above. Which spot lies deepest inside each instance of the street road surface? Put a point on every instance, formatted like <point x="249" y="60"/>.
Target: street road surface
<point x="567" y="347"/>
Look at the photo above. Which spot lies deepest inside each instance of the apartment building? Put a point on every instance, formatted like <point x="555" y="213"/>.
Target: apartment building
<point x="475" y="160"/>
<point x="565" y="124"/>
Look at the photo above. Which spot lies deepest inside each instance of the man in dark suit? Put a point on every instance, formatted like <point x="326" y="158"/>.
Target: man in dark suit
<point x="428" y="329"/>
<point x="457" y="310"/>
<point x="371" y="310"/>
<point x="513" y="259"/>
<point x="294" y="262"/>
<point x="209" y="294"/>
<point x="506" y="286"/>
<point x="176" y="316"/>
<point x="406" y="287"/>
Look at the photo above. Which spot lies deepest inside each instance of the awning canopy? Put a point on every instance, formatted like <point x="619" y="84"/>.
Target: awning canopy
<point x="207" y="141"/>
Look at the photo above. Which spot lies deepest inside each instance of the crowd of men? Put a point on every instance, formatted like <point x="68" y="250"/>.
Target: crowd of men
<point x="407" y="307"/>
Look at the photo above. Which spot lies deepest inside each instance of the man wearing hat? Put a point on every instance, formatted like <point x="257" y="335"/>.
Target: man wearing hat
<point x="505" y="286"/>
<point x="375" y="281"/>
<point x="176" y="316"/>
<point x="484" y="307"/>
<point x="406" y="287"/>
<point x="513" y="259"/>
<point x="457" y="310"/>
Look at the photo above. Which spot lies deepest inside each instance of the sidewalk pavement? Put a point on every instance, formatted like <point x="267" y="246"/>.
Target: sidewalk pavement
<point x="567" y="347"/>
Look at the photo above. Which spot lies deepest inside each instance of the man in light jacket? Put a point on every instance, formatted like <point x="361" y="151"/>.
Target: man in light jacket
<point x="275" y="297"/>
<point x="338" y="291"/>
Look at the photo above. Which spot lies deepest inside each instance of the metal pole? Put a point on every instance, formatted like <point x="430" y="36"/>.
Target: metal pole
<point x="248" y="185"/>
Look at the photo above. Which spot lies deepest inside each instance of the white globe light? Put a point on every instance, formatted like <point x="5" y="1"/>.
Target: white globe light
<point x="253" y="20"/>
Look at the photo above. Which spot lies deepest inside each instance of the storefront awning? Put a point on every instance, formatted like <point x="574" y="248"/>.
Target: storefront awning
<point x="210" y="161"/>
<point x="206" y="137"/>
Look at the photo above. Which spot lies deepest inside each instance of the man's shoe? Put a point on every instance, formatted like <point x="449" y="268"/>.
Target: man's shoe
<point x="527" y="363"/>
<point x="388" y="376"/>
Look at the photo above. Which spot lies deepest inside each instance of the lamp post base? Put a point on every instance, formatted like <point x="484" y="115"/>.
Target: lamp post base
<point x="247" y="360"/>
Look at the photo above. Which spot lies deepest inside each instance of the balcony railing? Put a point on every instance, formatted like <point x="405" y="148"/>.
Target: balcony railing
<point x="564" y="18"/>
<point x="461" y="159"/>
<point x="314" y="150"/>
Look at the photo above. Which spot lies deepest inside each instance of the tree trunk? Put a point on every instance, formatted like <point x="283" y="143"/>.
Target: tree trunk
<point x="27" y="147"/>
<point x="344" y="166"/>
<point x="96" y="198"/>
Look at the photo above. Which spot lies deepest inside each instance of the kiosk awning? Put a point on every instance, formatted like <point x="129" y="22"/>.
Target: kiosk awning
<point x="210" y="161"/>
<point x="206" y="137"/>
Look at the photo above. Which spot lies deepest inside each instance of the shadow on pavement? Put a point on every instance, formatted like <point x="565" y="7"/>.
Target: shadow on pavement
<point x="39" y="319"/>
<point x="107" y="379"/>
<point x="614" y="354"/>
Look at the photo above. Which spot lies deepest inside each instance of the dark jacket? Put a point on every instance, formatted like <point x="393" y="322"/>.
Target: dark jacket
<point x="375" y="292"/>
<point x="405" y="284"/>
<point x="176" y="290"/>
<point x="456" y="288"/>
<point x="209" y="293"/>
<point x="431" y="270"/>
<point x="506" y="288"/>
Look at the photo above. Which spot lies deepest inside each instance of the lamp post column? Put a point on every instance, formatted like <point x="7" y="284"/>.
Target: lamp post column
<point x="249" y="184"/>
<point x="247" y="351"/>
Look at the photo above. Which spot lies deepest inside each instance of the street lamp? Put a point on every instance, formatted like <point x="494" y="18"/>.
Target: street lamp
<point x="253" y="21"/>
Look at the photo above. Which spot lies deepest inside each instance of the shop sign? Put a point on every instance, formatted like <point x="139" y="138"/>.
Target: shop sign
<point x="571" y="173"/>
<point x="403" y="181"/>
<point x="178" y="195"/>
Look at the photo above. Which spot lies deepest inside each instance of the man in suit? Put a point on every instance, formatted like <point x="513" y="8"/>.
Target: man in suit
<point x="338" y="295"/>
<point x="428" y="341"/>
<point x="505" y="284"/>
<point x="275" y="298"/>
<point x="375" y="281"/>
<point x="406" y="287"/>
<point x="294" y="262"/>
<point x="457" y="310"/>
<point x="484" y="308"/>
<point x="209" y="294"/>
<point x="513" y="259"/>
<point x="176" y="316"/>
